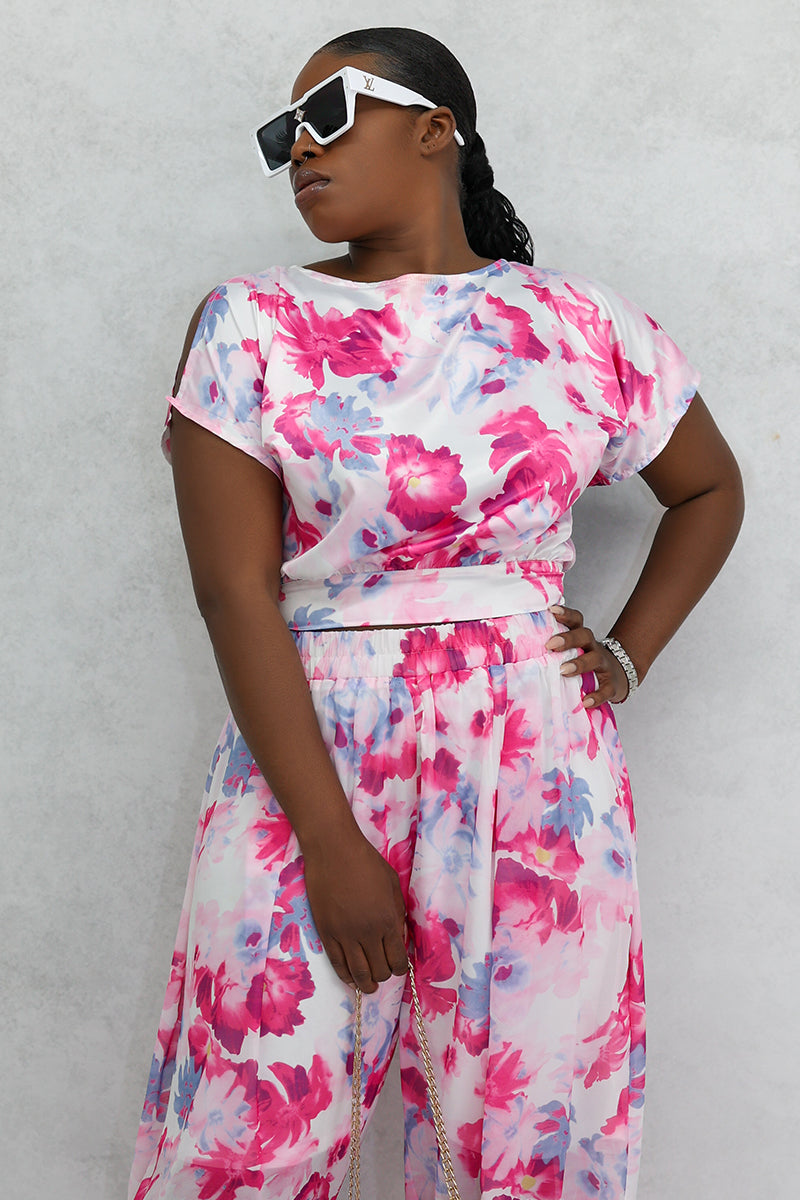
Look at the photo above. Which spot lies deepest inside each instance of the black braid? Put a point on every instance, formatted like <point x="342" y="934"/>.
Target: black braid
<point x="422" y="63"/>
<point x="476" y="174"/>
<point x="492" y="226"/>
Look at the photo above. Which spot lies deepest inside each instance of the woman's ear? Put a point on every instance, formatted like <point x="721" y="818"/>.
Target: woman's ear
<point x="437" y="130"/>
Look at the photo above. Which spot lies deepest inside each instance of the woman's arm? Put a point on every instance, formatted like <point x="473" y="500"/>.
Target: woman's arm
<point x="698" y="481"/>
<point x="230" y="508"/>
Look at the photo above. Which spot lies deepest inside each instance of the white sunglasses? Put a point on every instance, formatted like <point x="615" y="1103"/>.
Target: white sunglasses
<point x="326" y="111"/>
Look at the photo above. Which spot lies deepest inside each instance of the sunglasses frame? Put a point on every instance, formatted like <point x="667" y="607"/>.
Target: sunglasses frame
<point x="356" y="83"/>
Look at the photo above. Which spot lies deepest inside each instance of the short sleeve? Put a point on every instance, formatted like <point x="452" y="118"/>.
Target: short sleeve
<point x="222" y="387"/>
<point x="654" y="386"/>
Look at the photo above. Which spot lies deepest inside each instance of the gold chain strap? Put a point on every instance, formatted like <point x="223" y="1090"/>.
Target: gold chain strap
<point x="355" y="1108"/>
<point x="433" y="1098"/>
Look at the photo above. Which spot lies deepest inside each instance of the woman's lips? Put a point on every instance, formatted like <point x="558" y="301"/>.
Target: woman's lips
<point x="307" y="183"/>
<point x="308" y="191"/>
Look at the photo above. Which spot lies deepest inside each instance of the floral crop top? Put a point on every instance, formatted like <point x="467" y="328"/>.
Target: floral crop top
<point x="431" y="432"/>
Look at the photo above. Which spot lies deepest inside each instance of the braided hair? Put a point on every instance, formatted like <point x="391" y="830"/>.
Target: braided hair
<point x="420" y="62"/>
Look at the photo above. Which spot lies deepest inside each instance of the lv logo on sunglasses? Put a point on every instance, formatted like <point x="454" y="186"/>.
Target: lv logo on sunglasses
<point x="369" y="83"/>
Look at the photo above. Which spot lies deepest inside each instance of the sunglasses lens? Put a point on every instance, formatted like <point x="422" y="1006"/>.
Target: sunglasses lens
<point x="276" y="140"/>
<point x="326" y="109"/>
<point x="326" y="113"/>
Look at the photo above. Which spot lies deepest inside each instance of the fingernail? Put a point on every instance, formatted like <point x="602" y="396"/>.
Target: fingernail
<point x="555" y="643"/>
<point x="568" y="668"/>
<point x="588" y="702"/>
<point x="555" y="608"/>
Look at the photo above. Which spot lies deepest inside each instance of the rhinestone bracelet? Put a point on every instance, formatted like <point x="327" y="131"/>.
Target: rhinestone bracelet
<point x="625" y="662"/>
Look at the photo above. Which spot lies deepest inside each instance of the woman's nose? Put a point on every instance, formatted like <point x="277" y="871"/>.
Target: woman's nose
<point x="304" y="145"/>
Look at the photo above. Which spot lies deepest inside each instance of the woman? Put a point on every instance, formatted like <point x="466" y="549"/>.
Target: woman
<point x="375" y="459"/>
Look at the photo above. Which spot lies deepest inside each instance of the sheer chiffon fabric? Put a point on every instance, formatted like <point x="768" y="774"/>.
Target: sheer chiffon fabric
<point x="504" y="806"/>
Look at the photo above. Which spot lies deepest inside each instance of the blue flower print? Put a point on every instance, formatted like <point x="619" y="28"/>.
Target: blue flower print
<point x="188" y="1079"/>
<point x="216" y="310"/>
<point x="569" y="803"/>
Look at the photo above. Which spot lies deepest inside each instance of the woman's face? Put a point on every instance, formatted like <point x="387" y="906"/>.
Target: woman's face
<point x="373" y="181"/>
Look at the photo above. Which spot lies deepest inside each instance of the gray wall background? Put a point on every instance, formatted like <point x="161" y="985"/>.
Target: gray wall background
<point x="653" y="147"/>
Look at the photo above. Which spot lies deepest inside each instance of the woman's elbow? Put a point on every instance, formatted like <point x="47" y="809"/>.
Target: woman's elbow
<point x="226" y="597"/>
<point x="731" y="487"/>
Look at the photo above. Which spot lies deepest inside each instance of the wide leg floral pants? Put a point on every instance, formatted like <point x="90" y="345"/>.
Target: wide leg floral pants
<point x="504" y="807"/>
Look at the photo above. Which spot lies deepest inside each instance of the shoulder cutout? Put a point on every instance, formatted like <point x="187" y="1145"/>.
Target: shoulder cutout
<point x="187" y="345"/>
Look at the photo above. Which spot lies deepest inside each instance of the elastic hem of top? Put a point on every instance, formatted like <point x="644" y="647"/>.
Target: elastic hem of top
<point x="420" y="596"/>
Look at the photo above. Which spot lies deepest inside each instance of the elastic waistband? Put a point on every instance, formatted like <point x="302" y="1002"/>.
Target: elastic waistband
<point x="424" y="650"/>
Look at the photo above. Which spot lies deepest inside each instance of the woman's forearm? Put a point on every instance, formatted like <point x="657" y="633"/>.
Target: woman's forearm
<point x="271" y="703"/>
<point x="692" y="542"/>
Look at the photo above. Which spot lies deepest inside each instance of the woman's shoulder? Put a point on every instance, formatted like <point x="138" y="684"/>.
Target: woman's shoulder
<point x="243" y="285"/>
<point x="577" y="298"/>
<point x="563" y="282"/>
<point x="276" y="284"/>
<point x="238" y="296"/>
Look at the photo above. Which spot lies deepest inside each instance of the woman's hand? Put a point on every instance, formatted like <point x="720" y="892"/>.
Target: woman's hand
<point x="612" y="682"/>
<point x="358" y="908"/>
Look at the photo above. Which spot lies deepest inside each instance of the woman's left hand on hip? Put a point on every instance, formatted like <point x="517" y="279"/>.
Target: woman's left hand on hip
<point x="592" y="658"/>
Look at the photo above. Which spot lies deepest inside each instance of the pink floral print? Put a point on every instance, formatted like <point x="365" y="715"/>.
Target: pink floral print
<point x="424" y="486"/>
<point x="431" y="435"/>
<point x="503" y="805"/>
<point x="346" y="345"/>
<point x="429" y="427"/>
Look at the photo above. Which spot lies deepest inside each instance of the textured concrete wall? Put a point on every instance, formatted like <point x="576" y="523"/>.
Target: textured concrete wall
<point x="653" y="147"/>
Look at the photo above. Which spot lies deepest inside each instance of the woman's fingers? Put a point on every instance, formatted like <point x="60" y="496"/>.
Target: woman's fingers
<point x="362" y="972"/>
<point x="570" y="617"/>
<point x="567" y="616"/>
<point x="576" y="636"/>
<point x="374" y="956"/>
<point x="367" y="965"/>
<point x="338" y="961"/>
<point x="606" y="689"/>
<point x="394" y="946"/>
<point x="395" y="952"/>
<point x="582" y="664"/>
<point x="574" y="639"/>
<point x="592" y="657"/>
<point x="610" y="679"/>
<point x="385" y="950"/>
